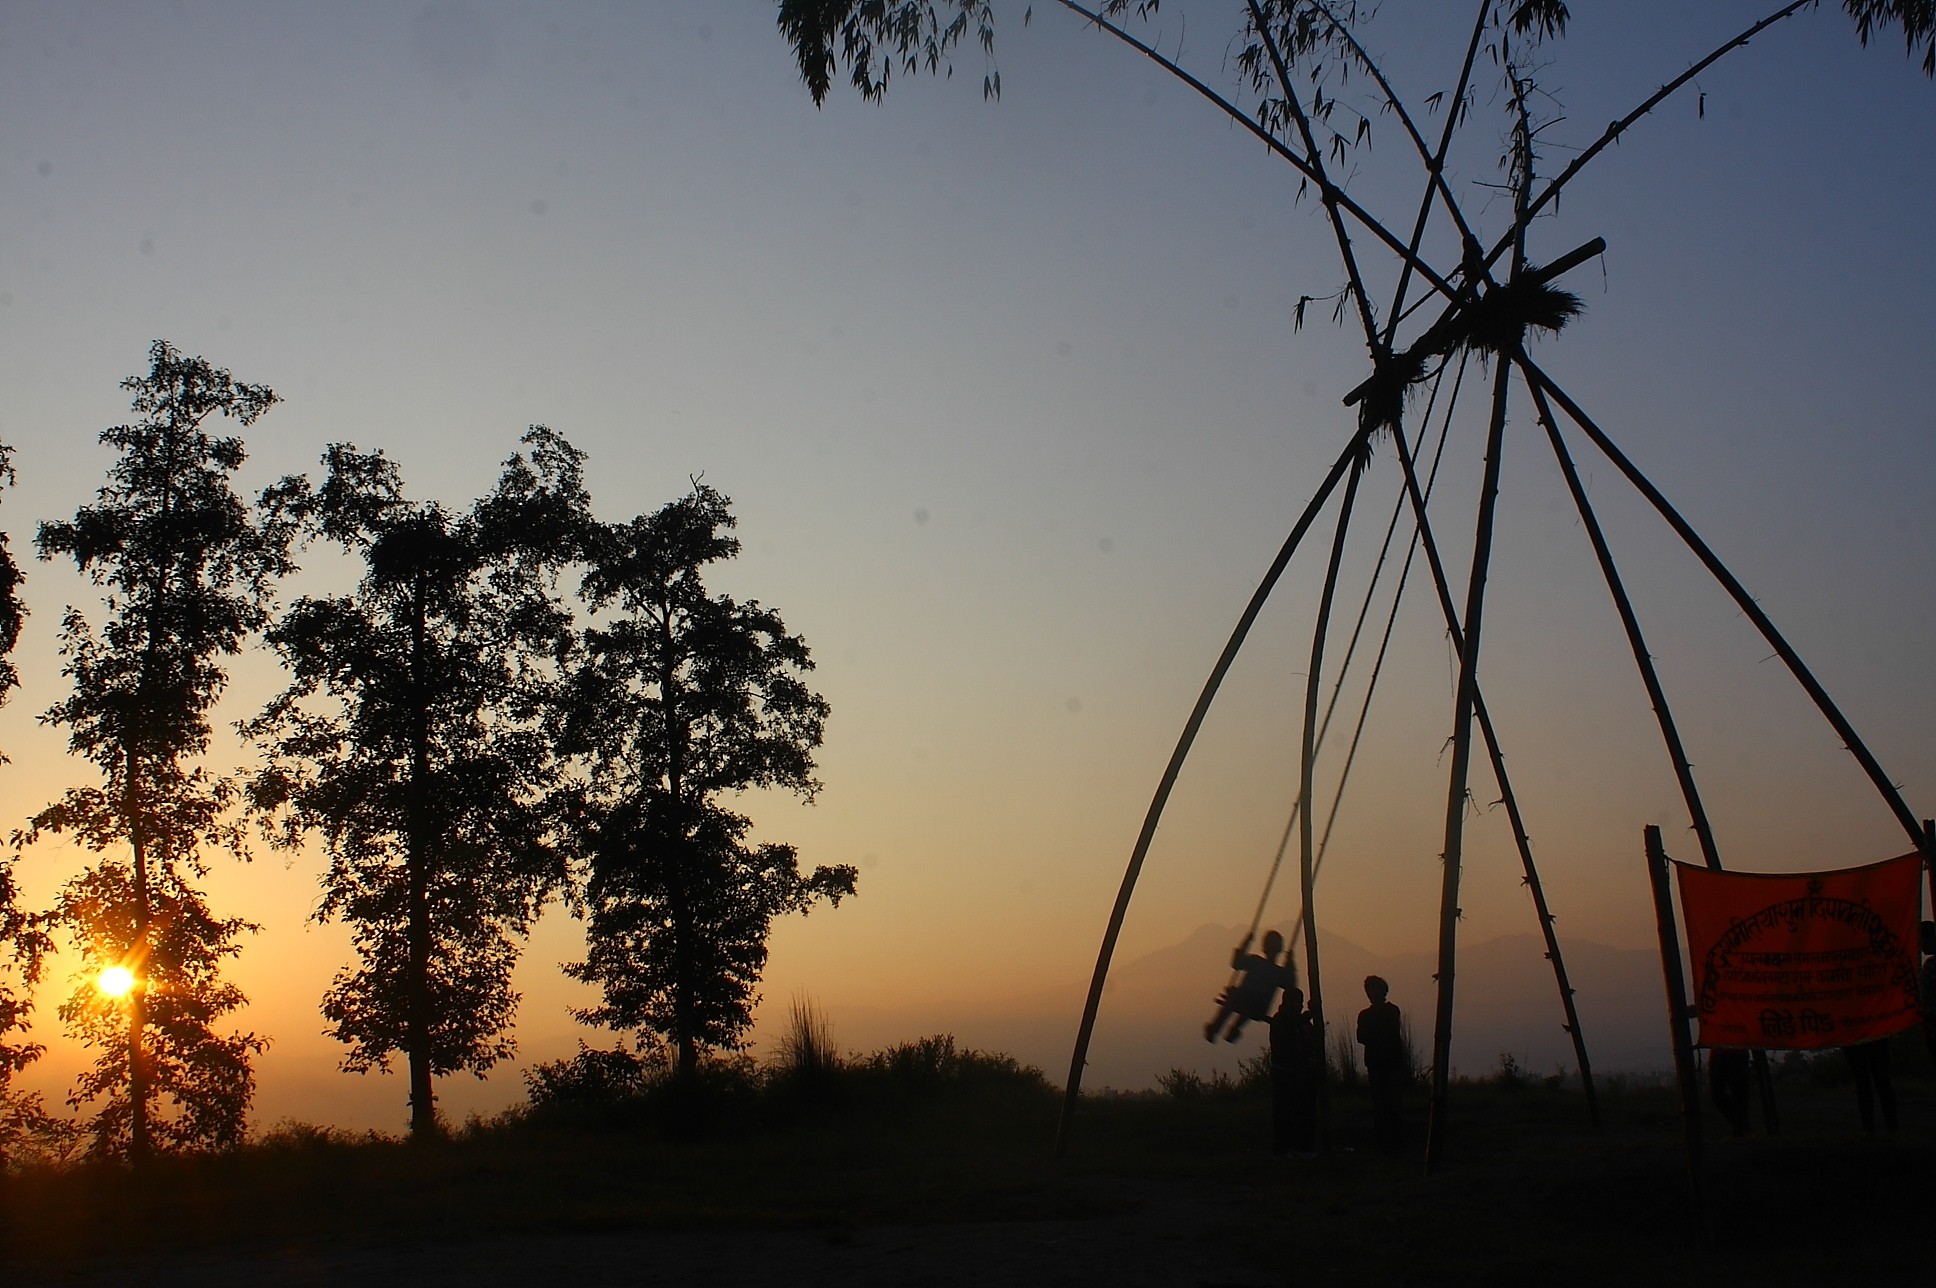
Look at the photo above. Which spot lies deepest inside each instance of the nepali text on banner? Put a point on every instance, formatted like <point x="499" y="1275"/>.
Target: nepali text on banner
<point x="1803" y="960"/>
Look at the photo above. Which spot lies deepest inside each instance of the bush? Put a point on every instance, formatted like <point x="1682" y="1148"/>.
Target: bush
<point x="593" y="1077"/>
<point x="30" y="1136"/>
<point x="931" y="1064"/>
<point x="1187" y="1084"/>
<point x="292" y="1137"/>
<point x="720" y="1097"/>
<point x="1180" y="1084"/>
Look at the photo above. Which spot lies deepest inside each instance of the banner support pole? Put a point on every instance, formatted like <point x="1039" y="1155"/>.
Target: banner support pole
<point x="1928" y="847"/>
<point x="1677" y="1014"/>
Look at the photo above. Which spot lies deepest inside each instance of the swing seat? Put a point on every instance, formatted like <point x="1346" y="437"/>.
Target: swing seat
<point x="1249" y="1005"/>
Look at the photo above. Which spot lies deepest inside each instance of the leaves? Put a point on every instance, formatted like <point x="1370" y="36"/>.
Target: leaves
<point x="1916" y="18"/>
<point x="876" y="38"/>
<point x="1540" y="19"/>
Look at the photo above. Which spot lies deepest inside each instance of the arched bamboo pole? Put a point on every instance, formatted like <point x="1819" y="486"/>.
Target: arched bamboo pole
<point x="1073" y="1090"/>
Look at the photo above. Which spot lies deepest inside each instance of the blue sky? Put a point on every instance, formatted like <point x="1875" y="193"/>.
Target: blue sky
<point x="1009" y="402"/>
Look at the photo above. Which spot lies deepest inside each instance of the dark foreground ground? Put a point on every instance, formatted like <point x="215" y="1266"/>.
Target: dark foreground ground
<point x="957" y="1187"/>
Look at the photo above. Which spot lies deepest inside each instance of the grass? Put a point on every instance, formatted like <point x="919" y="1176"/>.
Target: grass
<point x="925" y="1133"/>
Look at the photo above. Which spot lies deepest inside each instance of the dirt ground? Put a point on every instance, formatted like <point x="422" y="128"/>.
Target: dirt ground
<point x="1148" y="1233"/>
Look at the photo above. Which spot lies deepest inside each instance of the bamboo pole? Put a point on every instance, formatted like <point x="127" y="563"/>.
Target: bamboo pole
<point x="1378" y="663"/>
<point x="1928" y="848"/>
<point x="1442" y="336"/>
<point x="1613" y="132"/>
<point x="1307" y="869"/>
<point x="1344" y="200"/>
<point x="1324" y="727"/>
<point x="1455" y="790"/>
<point x="1720" y="572"/>
<point x="1656" y="696"/>
<point x="1675" y="979"/>
<point x="1079" y="1056"/>
<point x="1434" y="160"/>
<point x="1636" y="642"/>
<point x="1337" y="688"/>
<point x="1521" y="839"/>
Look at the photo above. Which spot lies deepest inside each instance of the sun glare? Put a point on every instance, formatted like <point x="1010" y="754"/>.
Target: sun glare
<point x="116" y="981"/>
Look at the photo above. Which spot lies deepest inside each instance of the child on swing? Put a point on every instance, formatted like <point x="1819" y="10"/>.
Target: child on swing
<point x="1251" y="996"/>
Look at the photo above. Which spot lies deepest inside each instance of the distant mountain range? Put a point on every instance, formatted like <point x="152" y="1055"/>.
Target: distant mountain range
<point x="1154" y="1009"/>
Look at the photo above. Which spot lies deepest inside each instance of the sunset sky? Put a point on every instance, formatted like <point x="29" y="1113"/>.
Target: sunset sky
<point x="1013" y="416"/>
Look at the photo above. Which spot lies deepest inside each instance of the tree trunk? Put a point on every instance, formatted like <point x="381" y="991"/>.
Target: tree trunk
<point x="138" y="1145"/>
<point x="417" y="1018"/>
<point x="682" y="860"/>
<point x="684" y="1022"/>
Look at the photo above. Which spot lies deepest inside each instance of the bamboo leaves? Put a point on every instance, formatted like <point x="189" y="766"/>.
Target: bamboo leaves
<point x="1916" y="18"/>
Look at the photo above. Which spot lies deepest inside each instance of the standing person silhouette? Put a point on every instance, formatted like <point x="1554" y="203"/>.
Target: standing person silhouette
<point x="1296" y="1064"/>
<point x="1250" y="997"/>
<point x="1727" y="1081"/>
<point x="1869" y="1062"/>
<point x="1381" y="1033"/>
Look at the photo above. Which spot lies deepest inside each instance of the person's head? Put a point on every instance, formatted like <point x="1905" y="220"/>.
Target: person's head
<point x="1929" y="938"/>
<point x="1273" y="944"/>
<point x="1376" y="988"/>
<point x="1292" y="1002"/>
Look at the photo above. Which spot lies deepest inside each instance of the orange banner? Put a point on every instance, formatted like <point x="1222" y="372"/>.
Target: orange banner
<point x="1805" y="960"/>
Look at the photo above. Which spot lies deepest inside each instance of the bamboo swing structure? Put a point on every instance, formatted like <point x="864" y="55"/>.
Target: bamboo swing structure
<point x="1487" y="304"/>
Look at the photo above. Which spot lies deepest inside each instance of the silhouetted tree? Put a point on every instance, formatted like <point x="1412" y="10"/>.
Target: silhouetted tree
<point x="681" y="698"/>
<point x="22" y="942"/>
<point x="187" y="572"/>
<point x="412" y="738"/>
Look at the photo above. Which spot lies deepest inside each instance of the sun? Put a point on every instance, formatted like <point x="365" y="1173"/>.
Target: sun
<point x="116" y="981"/>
